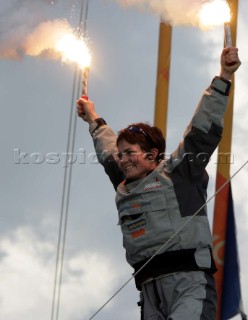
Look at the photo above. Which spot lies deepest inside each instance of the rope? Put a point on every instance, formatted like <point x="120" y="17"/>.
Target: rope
<point x="172" y="237"/>
<point x="67" y="180"/>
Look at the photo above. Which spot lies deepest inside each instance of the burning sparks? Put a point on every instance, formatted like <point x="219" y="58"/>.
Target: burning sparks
<point x="73" y="49"/>
<point x="56" y="39"/>
<point x="214" y="13"/>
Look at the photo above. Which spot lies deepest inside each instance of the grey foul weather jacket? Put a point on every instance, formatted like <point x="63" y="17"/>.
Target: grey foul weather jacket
<point x="153" y="209"/>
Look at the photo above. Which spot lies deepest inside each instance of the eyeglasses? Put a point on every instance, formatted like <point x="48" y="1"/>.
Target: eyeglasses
<point x="137" y="129"/>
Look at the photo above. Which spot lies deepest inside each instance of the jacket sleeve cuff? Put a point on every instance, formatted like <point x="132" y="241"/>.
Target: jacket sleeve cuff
<point x="96" y="124"/>
<point x="221" y="85"/>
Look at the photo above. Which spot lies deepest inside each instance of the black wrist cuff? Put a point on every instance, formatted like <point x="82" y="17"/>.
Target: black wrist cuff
<point x="221" y="85"/>
<point x="97" y="123"/>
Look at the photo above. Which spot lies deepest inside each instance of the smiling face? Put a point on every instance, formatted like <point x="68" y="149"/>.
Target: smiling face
<point x="134" y="162"/>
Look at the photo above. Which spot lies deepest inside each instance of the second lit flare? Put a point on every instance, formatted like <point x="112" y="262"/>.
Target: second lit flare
<point x="214" y="13"/>
<point x="228" y="34"/>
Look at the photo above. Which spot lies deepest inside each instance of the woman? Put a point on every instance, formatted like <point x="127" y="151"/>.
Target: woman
<point x="156" y="197"/>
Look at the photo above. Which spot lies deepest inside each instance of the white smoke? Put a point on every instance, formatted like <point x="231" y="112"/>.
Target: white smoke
<point x="43" y="39"/>
<point x="24" y="29"/>
<point x="175" y="12"/>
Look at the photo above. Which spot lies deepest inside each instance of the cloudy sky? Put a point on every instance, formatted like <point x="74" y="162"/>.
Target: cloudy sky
<point x="36" y="94"/>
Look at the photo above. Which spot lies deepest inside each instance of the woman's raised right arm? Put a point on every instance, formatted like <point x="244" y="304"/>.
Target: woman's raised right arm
<point x="104" y="140"/>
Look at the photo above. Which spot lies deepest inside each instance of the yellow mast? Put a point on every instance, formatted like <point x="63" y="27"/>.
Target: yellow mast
<point x="163" y="75"/>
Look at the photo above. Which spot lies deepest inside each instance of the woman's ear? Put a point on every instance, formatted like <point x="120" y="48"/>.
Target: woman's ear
<point x="153" y="154"/>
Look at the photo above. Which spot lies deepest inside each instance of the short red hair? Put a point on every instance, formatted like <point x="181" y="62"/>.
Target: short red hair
<point x="146" y="136"/>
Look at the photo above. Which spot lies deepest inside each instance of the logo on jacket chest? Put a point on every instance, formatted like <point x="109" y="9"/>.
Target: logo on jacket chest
<point x="138" y="233"/>
<point x="137" y="224"/>
<point x="137" y="229"/>
<point x="153" y="185"/>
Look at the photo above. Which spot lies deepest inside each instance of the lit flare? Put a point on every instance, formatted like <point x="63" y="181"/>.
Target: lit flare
<point x="73" y="49"/>
<point x="214" y="13"/>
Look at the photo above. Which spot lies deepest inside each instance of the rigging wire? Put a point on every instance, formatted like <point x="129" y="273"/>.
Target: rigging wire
<point x="67" y="176"/>
<point x="172" y="237"/>
<point x="58" y="266"/>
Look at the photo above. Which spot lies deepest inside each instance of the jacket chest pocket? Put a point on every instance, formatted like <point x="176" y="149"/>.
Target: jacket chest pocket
<point x="145" y="224"/>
